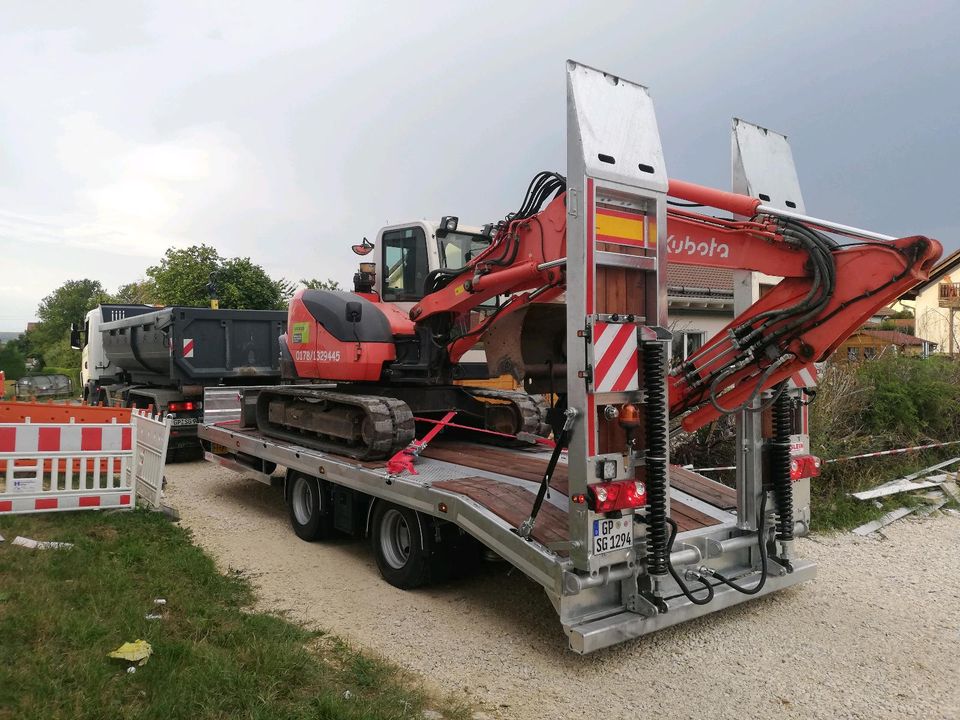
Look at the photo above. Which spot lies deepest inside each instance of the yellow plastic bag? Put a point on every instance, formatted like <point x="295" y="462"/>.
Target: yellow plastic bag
<point x="138" y="651"/>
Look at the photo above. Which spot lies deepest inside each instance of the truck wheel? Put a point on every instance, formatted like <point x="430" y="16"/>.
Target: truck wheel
<point x="309" y="505"/>
<point x="403" y="553"/>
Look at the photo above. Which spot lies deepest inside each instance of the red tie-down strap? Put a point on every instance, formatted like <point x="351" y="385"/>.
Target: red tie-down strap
<point x="403" y="460"/>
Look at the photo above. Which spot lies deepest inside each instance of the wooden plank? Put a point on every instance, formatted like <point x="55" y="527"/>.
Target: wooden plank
<point x="512" y="504"/>
<point x="952" y="491"/>
<point x="875" y="525"/>
<point x="688" y="518"/>
<point x="703" y="488"/>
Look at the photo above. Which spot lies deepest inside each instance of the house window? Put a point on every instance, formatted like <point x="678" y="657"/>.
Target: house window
<point x="686" y="343"/>
<point x="869" y="353"/>
<point x="853" y="353"/>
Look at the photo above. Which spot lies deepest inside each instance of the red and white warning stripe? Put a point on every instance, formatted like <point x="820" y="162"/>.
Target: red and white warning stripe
<point x="616" y="365"/>
<point x="188" y="347"/>
<point x="74" y="501"/>
<point x="805" y="378"/>
<point x="24" y="438"/>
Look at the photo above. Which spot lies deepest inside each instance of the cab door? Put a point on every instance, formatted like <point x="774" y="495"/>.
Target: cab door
<point x="404" y="264"/>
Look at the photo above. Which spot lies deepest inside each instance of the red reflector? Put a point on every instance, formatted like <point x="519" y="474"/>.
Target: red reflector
<point x="124" y="499"/>
<point x="181" y="406"/>
<point x="618" y="495"/>
<point x="6" y="505"/>
<point x="90" y="501"/>
<point x="45" y="504"/>
<point x="804" y="466"/>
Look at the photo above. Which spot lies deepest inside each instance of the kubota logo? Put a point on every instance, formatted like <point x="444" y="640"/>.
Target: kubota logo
<point x="691" y="248"/>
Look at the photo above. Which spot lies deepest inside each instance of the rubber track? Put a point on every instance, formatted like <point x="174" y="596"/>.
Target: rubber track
<point x="533" y="410"/>
<point x="392" y="421"/>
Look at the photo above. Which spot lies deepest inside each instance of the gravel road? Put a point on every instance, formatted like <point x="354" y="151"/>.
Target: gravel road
<point x="877" y="635"/>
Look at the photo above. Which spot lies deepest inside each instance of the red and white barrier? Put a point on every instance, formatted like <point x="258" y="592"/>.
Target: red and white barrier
<point x="46" y="467"/>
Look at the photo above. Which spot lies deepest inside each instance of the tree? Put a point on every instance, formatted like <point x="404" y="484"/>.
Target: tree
<point x="187" y="276"/>
<point x="317" y="284"/>
<point x="182" y="276"/>
<point x="12" y="362"/>
<point x="142" y="292"/>
<point x="68" y="304"/>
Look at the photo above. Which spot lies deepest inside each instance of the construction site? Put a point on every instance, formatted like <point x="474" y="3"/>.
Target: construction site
<point x="577" y="446"/>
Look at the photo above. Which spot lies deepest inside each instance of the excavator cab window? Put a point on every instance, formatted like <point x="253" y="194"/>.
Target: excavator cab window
<point x="458" y="248"/>
<point x="405" y="264"/>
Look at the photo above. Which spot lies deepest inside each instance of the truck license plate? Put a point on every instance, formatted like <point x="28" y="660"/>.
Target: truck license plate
<point x="610" y="535"/>
<point x="183" y="421"/>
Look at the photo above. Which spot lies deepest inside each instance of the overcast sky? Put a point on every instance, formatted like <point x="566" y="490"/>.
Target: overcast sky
<point x="286" y="131"/>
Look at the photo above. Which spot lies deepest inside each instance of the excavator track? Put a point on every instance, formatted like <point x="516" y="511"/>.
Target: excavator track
<point x="531" y="409"/>
<point x="364" y="427"/>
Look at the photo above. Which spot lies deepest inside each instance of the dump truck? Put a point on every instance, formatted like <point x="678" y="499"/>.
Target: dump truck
<point x="143" y="356"/>
<point x="570" y="479"/>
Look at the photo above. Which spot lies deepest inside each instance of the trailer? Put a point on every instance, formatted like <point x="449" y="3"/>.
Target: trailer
<point x="142" y="356"/>
<point x="622" y="542"/>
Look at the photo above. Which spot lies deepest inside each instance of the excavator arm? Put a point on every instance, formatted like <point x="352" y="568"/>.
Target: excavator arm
<point x="830" y="287"/>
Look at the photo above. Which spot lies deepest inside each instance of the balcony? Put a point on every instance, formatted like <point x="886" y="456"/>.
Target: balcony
<point x="950" y="295"/>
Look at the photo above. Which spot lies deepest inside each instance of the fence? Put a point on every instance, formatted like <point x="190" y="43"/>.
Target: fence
<point x="48" y="467"/>
<point x="73" y="466"/>
<point x="150" y="456"/>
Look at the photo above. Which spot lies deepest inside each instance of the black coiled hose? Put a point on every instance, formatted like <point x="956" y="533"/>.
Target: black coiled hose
<point x="780" y="465"/>
<point x="655" y="416"/>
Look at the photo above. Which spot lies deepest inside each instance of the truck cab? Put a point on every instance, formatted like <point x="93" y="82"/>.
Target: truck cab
<point x="96" y="370"/>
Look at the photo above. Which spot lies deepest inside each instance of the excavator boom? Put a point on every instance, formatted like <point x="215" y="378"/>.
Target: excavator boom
<point x="829" y="289"/>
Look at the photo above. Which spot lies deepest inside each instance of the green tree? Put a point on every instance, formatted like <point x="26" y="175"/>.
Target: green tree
<point x="66" y="305"/>
<point x="142" y="292"/>
<point x="12" y="362"/>
<point x="187" y="276"/>
<point x="183" y="275"/>
<point x="317" y="284"/>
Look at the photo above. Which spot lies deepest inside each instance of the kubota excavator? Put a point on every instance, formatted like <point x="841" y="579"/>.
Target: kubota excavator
<point x="392" y="350"/>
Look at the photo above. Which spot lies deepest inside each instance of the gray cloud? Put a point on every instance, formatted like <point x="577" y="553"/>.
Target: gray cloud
<point x="287" y="131"/>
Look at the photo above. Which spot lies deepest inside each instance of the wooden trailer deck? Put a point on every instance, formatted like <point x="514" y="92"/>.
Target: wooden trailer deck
<point x="512" y="503"/>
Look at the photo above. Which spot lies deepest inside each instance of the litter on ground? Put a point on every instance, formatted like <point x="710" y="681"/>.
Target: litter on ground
<point x="138" y="651"/>
<point x="40" y="544"/>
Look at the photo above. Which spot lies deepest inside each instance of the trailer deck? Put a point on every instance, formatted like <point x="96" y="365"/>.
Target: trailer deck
<point x="488" y="491"/>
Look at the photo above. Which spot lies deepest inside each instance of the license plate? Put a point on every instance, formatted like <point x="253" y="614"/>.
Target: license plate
<point x="218" y="449"/>
<point x="183" y="421"/>
<point x="610" y="535"/>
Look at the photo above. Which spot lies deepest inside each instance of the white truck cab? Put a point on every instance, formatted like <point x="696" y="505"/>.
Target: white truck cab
<point x="95" y="369"/>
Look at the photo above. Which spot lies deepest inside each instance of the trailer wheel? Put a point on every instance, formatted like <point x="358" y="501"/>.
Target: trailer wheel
<point x="403" y="552"/>
<point x="309" y="504"/>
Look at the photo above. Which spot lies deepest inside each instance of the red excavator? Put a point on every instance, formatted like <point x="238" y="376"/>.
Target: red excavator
<point x="364" y="367"/>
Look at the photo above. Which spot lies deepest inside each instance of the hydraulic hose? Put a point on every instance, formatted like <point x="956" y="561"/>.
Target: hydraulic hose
<point x="762" y="541"/>
<point x="676" y="576"/>
<point x="655" y="417"/>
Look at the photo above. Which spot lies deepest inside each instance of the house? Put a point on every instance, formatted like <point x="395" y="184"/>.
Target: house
<point x="867" y="344"/>
<point x="699" y="305"/>
<point x="934" y="303"/>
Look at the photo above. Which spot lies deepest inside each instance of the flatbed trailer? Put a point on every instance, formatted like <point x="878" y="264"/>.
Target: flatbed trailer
<point x="486" y="492"/>
<point x="625" y="543"/>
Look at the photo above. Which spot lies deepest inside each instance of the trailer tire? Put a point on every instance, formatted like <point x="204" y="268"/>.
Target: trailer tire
<point x="308" y="500"/>
<point x="403" y="551"/>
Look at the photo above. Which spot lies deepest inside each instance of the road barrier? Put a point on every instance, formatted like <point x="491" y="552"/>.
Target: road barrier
<point x="71" y="465"/>
<point x="149" y="460"/>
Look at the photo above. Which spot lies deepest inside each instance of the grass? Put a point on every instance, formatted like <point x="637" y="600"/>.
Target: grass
<point x="62" y="611"/>
<point x="831" y="506"/>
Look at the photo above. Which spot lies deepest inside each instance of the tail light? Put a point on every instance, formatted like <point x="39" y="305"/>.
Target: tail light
<point x="182" y="406"/>
<point x="619" y="495"/>
<point x="804" y="466"/>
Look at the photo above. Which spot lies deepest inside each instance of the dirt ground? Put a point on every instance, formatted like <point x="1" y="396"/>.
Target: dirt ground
<point x="876" y="635"/>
